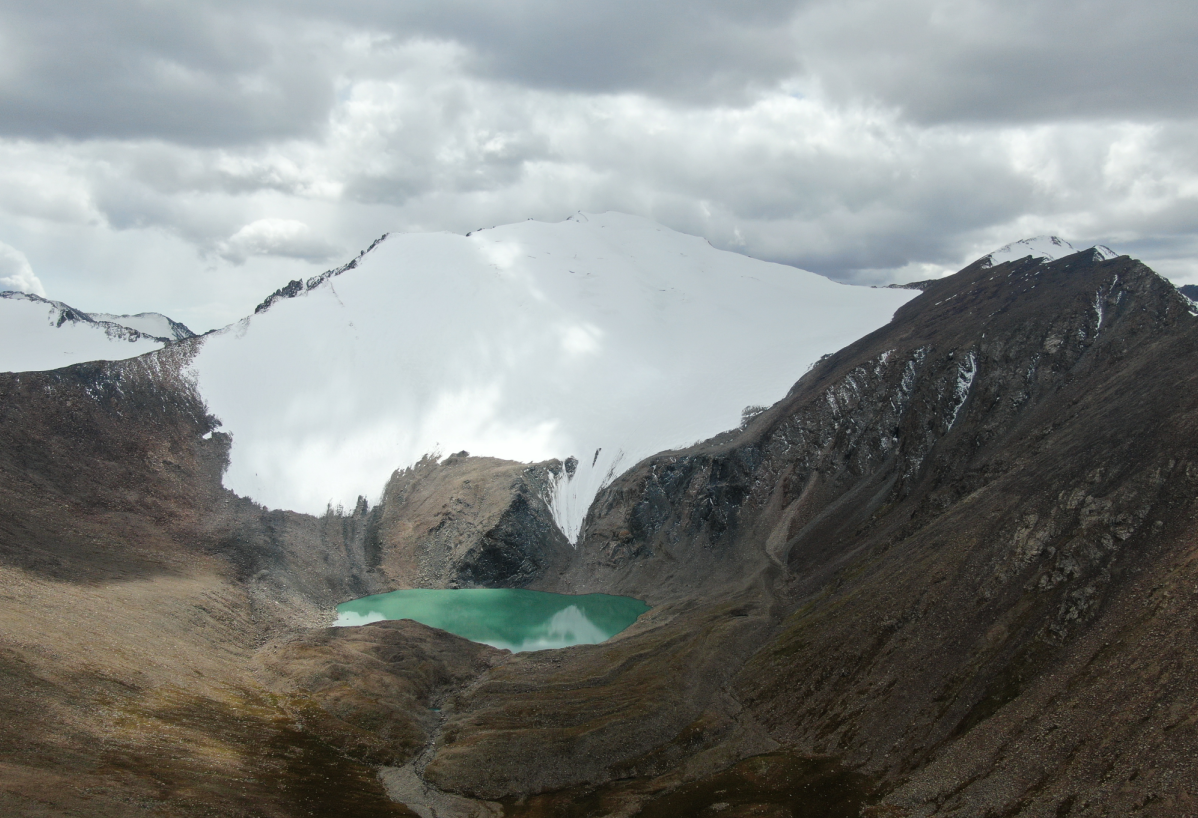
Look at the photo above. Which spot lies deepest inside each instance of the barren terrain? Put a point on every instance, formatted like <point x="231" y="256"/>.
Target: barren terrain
<point x="953" y="572"/>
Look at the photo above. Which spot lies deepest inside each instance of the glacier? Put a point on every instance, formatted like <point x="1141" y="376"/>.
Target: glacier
<point x="39" y="334"/>
<point x="604" y="338"/>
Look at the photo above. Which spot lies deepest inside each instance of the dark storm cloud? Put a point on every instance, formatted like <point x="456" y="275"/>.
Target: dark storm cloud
<point x="937" y="60"/>
<point x="231" y="73"/>
<point x="1010" y="61"/>
<point x="700" y="50"/>
<point x="189" y="73"/>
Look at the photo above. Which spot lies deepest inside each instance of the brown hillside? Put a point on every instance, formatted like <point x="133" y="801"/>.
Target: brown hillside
<point x="952" y="573"/>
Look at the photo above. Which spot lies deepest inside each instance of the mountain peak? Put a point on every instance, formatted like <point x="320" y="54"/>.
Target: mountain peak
<point x="599" y="340"/>
<point x="1045" y="248"/>
<point x="1049" y="248"/>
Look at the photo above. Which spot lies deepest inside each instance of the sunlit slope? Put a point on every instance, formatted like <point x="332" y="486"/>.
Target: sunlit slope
<point x="605" y="338"/>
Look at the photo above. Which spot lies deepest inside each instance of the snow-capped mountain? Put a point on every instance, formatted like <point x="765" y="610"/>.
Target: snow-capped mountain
<point x="995" y="487"/>
<point x="597" y="341"/>
<point x="1046" y="248"/>
<point x="37" y="333"/>
<point x="154" y="324"/>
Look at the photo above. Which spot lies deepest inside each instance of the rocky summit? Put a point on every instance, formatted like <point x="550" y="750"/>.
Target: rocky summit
<point x="951" y="572"/>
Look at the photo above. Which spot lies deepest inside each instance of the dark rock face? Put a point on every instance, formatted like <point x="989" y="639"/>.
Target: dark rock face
<point x="973" y="513"/>
<point x="97" y="442"/>
<point x="468" y="522"/>
<point x="935" y="404"/>
<point x="179" y="330"/>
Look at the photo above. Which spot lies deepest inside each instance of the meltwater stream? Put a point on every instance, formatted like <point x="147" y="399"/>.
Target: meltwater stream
<point x="510" y="618"/>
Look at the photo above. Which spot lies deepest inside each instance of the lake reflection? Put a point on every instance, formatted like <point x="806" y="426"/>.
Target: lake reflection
<point x="510" y="618"/>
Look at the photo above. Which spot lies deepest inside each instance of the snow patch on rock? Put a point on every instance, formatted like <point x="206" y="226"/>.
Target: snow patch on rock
<point x="966" y="372"/>
<point x="1048" y="248"/>
<point x="1044" y="248"/>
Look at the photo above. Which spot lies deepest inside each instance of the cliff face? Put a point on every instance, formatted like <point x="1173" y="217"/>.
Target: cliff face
<point x="468" y="522"/>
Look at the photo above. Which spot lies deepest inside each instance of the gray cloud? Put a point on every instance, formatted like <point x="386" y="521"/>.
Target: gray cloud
<point x="225" y="73"/>
<point x="209" y="152"/>
<point x="1011" y="61"/>
<point x="191" y="73"/>
<point x="702" y="50"/>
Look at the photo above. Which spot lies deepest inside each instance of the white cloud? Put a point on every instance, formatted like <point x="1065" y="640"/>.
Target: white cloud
<point x="581" y="340"/>
<point x="275" y="237"/>
<point x="16" y="274"/>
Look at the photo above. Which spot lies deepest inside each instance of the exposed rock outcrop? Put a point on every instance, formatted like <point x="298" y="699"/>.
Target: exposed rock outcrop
<point x="467" y="522"/>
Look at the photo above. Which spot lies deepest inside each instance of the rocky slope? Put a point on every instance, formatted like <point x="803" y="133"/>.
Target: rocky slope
<point x="134" y="592"/>
<point x="466" y="522"/>
<point x="944" y="554"/>
<point x="143" y="608"/>
<point x="983" y="515"/>
<point x="952" y="572"/>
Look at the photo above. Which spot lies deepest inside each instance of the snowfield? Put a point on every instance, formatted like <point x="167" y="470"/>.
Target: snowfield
<point x="1045" y="248"/>
<point x="606" y="338"/>
<point x="39" y="334"/>
<point x="147" y="323"/>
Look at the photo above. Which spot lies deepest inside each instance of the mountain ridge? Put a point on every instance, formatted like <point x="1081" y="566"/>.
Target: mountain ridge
<point x="31" y="344"/>
<point x="979" y="577"/>
<point x="529" y="342"/>
<point x="950" y="572"/>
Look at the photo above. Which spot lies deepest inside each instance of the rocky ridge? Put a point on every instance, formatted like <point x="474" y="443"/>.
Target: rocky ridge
<point x="468" y="522"/>
<point x="116" y="327"/>
<point x="971" y="509"/>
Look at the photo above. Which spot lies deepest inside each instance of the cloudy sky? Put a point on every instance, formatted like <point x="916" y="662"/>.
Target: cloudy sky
<point x="190" y="157"/>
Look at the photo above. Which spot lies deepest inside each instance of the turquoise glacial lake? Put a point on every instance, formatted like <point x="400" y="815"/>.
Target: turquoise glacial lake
<point x="509" y="618"/>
